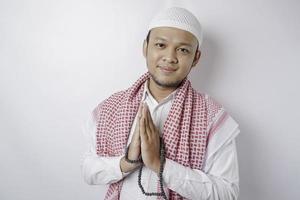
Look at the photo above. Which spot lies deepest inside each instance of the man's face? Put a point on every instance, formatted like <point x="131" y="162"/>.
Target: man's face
<point x="170" y="55"/>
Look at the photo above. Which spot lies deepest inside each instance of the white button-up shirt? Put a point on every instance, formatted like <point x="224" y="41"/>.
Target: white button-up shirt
<point x="218" y="180"/>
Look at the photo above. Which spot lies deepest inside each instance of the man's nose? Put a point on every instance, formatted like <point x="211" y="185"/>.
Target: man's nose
<point x="170" y="56"/>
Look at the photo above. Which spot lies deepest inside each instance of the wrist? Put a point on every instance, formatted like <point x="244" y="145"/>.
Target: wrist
<point x="126" y="166"/>
<point x="155" y="166"/>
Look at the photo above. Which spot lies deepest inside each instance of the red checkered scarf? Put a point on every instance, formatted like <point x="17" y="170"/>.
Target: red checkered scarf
<point x="185" y="132"/>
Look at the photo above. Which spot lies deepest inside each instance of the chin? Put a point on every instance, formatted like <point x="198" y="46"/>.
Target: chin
<point x="166" y="83"/>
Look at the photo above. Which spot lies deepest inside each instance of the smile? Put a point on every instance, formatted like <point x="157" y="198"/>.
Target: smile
<point x="167" y="69"/>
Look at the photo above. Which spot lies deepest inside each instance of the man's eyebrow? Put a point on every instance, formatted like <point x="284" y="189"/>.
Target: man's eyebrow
<point x="181" y="43"/>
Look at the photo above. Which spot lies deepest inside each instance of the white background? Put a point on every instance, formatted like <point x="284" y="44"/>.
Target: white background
<point x="60" y="58"/>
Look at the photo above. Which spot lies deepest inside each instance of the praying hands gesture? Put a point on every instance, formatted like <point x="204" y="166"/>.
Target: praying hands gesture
<point x="145" y="142"/>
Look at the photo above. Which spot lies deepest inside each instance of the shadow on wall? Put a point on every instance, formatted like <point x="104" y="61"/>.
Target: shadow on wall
<point x="249" y="178"/>
<point x="202" y="75"/>
<point x="204" y="79"/>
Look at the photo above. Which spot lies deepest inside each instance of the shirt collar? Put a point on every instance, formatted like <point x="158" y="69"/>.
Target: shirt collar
<point x="147" y="93"/>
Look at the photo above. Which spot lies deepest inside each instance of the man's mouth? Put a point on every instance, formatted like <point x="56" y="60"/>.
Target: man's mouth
<point x="167" y="69"/>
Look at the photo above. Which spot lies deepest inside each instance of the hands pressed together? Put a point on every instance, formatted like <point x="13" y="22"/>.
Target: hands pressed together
<point x="145" y="142"/>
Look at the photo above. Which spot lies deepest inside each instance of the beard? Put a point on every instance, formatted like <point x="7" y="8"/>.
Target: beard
<point x="165" y="84"/>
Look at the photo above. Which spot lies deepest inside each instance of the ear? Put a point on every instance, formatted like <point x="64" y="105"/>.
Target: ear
<point x="145" y="45"/>
<point x="196" y="58"/>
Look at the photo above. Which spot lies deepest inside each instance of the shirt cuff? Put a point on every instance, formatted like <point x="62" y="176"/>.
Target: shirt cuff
<point x="170" y="173"/>
<point x="175" y="175"/>
<point x="115" y="166"/>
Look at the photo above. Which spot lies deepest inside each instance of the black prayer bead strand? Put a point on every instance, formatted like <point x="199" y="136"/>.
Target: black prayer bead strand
<point x="162" y="162"/>
<point x="161" y="169"/>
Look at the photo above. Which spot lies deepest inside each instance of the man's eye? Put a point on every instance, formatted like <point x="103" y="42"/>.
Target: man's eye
<point x="183" y="50"/>
<point x="159" y="45"/>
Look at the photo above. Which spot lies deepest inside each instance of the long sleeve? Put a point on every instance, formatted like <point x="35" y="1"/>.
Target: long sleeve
<point x="219" y="179"/>
<point x="95" y="169"/>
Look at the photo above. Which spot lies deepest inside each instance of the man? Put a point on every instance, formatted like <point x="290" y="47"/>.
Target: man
<point x="161" y="139"/>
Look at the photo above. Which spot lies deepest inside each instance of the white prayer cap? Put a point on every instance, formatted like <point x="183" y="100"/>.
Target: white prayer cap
<point x="177" y="17"/>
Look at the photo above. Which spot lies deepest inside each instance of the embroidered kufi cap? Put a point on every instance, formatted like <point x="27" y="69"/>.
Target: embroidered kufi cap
<point x="180" y="18"/>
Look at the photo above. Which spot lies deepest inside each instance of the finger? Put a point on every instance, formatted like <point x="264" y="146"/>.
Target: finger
<point x="137" y="127"/>
<point x="136" y="135"/>
<point x="144" y="112"/>
<point x="140" y="110"/>
<point x="147" y="126"/>
<point x="143" y="133"/>
<point x="150" y="121"/>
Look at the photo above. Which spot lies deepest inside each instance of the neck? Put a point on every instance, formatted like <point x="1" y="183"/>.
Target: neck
<point x="159" y="92"/>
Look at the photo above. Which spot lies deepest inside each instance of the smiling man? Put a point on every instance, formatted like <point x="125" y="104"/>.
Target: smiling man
<point x="170" y="54"/>
<point x="160" y="138"/>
